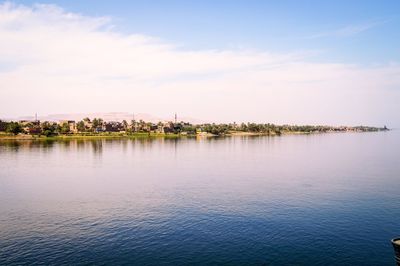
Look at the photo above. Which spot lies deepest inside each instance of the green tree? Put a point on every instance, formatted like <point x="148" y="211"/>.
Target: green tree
<point x="80" y="126"/>
<point x="49" y="129"/>
<point x="125" y="124"/>
<point x="97" y="122"/>
<point x="14" y="128"/>
<point x="133" y="125"/>
<point x="3" y="125"/>
<point x="189" y="129"/>
<point x="63" y="128"/>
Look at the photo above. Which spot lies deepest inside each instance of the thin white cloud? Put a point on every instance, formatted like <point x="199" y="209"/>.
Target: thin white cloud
<point x="348" y="30"/>
<point x="52" y="61"/>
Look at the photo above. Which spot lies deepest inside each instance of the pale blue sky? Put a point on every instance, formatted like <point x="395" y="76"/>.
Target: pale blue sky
<point x="303" y="62"/>
<point x="351" y="31"/>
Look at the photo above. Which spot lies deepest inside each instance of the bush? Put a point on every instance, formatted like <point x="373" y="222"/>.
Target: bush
<point x="14" y="128"/>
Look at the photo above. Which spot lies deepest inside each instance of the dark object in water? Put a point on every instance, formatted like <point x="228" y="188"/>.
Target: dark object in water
<point x="396" y="246"/>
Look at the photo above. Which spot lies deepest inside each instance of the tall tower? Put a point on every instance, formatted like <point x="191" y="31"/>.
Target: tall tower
<point x="35" y="117"/>
<point x="176" y="118"/>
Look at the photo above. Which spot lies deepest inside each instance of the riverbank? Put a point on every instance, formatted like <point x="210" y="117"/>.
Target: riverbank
<point x="87" y="136"/>
<point x="117" y="135"/>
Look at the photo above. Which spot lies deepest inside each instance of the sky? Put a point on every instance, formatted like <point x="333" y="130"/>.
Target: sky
<point x="285" y="62"/>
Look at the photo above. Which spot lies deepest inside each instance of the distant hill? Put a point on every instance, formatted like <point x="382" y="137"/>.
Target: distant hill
<point x="111" y="116"/>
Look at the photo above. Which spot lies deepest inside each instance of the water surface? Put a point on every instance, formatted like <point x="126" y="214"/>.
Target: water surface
<point x="328" y="199"/>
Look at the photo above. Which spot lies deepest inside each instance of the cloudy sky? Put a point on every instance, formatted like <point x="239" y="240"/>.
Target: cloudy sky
<point x="303" y="62"/>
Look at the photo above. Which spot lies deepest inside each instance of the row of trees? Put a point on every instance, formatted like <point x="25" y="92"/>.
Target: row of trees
<point x="98" y="125"/>
<point x="10" y="127"/>
<point x="45" y="128"/>
<point x="220" y="129"/>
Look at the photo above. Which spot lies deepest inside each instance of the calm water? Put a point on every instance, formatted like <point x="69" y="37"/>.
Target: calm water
<point x="331" y="199"/>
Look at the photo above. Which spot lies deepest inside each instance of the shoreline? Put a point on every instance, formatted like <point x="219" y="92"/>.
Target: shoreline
<point x="160" y="135"/>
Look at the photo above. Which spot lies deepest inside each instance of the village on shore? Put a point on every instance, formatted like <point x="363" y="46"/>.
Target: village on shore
<point x="99" y="127"/>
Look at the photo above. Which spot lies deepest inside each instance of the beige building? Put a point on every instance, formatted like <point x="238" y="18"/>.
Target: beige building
<point x="71" y="125"/>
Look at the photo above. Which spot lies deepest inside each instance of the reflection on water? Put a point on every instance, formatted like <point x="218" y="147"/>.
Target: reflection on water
<point x="324" y="199"/>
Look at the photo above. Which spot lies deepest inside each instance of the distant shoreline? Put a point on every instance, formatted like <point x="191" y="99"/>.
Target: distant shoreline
<point x="158" y="135"/>
<point x="97" y="127"/>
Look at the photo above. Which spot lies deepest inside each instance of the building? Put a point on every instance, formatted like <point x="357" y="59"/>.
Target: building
<point x="71" y="125"/>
